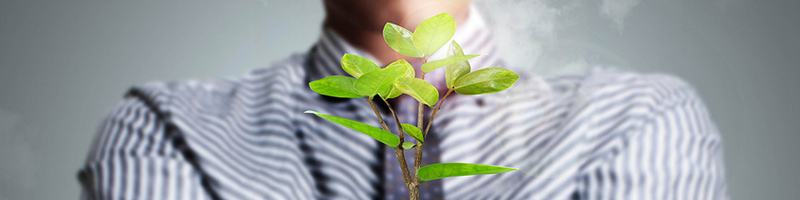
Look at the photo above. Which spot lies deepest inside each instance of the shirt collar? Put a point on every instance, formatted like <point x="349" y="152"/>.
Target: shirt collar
<point x="473" y="35"/>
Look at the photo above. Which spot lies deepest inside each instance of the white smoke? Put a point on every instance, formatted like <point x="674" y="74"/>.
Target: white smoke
<point x="521" y="27"/>
<point x="617" y="10"/>
<point x="527" y="32"/>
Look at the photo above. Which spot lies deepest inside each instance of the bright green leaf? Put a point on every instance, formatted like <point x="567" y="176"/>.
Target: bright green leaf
<point x="433" y="33"/>
<point x="379" y="82"/>
<point x="403" y="63"/>
<point x="457" y="69"/>
<point x="420" y="89"/>
<point x="335" y="86"/>
<point x="484" y="81"/>
<point x="357" y="65"/>
<point x="381" y="135"/>
<point x="408" y="145"/>
<point x="414" y="132"/>
<point x="393" y="91"/>
<point x="436" y="64"/>
<point x="400" y="39"/>
<point x="444" y="170"/>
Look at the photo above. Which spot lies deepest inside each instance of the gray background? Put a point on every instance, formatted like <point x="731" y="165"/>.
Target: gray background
<point x="64" y="65"/>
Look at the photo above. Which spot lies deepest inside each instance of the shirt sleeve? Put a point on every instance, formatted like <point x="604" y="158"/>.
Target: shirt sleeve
<point x="133" y="158"/>
<point x="677" y="154"/>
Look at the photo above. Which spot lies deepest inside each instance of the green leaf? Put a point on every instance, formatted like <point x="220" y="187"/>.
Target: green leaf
<point x="484" y="81"/>
<point x="444" y="170"/>
<point x="381" y="135"/>
<point x="414" y="132"/>
<point x="379" y="82"/>
<point x="392" y="91"/>
<point x="457" y="69"/>
<point x="403" y="63"/>
<point x="408" y="145"/>
<point x="335" y="86"/>
<point x="357" y="65"/>
<point x="436" y="64"/>
<point x="433" y="33"/>
<point x="400" y="39"/>
<point x="420" y="89"/>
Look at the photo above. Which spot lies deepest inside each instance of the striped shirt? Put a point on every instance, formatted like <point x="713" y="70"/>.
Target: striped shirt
<point x="607" y="134"/>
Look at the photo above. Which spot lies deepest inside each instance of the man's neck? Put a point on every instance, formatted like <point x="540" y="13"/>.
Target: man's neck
<point x="366" y="34"/>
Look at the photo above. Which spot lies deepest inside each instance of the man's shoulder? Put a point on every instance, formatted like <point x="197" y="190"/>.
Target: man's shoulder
<point x="616" y="96"/>
<point x="608" y="83"/>
<point x="604" y="83"/>
<point x="217" y="93"/>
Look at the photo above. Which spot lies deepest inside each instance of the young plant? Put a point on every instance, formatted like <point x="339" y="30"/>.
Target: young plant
<point x="369" y="81"/>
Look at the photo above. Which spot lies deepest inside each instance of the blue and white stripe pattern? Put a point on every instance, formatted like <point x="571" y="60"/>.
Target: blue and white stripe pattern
<point x="604" y="135"/>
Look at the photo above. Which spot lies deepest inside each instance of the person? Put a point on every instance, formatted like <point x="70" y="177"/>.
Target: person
<point x="608" y="134"/>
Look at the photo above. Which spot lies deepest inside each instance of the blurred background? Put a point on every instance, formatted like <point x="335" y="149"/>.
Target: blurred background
<point x="65" y="64"/>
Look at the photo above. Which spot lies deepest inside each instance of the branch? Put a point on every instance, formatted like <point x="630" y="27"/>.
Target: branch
<point x="401" y="158"/>
<point x="435" y="110"/>
<point x="399" y="127"/>
<point x="414" y="188"/>
<point x="420" y="118"/>
<point x="420" y="114"/>
<point x="418" y="158"/>
<point x="383" y="124"/>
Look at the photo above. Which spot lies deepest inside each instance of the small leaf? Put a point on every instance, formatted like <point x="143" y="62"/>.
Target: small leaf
<point x="357" y="65"/>
<point x="436" y="64"/>
<point x="420" y="89"/>
<point x="414" y="132"/>
<point x="457" y="69"/>
<point x="381" y="135"/>
<point x="484" y="81"/>
<point x="400" y="39"/>
<point x="391" y="91"/>
<point x="433" y="33"/>
<point x="408" y="145"/>
<point x="444" y="170"/>
<point x="379" y="82"/>
<point x="335" y="86"/>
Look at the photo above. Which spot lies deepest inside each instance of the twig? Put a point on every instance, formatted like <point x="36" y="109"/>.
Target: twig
<point x="380" y="119"/>
<point x="435" y="110"/>
<point x="401" y="158"/>
<point x="413" y="189"/>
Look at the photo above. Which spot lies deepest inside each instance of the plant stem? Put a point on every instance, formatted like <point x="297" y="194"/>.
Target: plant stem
<point x="398" y="150"/>
<point x="401" y="158"/>
<point x="418" y="153"/>
<point x="399" y="127"/>
<point x="413" y="189"/>
<point x="380" y="119"/>
<point x="435" y="110"/>
<point x="420" y="114"/>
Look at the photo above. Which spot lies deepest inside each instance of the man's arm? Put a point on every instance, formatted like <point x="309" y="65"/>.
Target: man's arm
<point x="132" y="158"/>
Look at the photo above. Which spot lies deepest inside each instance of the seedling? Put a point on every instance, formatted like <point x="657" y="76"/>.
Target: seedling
<point x="371" y="82"/>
